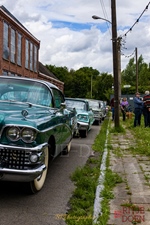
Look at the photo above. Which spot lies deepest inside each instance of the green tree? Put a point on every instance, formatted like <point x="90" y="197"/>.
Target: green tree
<point x="82" y="78"/>
<point x="103" y="86"/>
<point x="129" y="76"/>
<point x="78" y="83"/>
<point x="64" y="75"/>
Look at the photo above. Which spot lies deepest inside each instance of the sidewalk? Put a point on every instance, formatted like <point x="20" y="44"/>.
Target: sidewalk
<point x="131" y="203"/>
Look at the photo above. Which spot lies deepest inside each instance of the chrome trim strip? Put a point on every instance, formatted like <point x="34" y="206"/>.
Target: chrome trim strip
<point x="83" y="124"/>
<point x="20" y="175"/>
<point x="37" y="148"/>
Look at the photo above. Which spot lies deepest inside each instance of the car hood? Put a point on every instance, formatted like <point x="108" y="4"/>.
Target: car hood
<point x="81" y="111"/>
<point x="23" y="114"/>
<point x="96" y="109"/>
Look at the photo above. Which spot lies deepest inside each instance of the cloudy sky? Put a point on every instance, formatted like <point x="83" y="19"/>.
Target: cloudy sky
<point x="70" y="37"/>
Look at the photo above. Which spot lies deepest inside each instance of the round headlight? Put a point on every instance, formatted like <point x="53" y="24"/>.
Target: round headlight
<point x="13" y="133"/>
<point x="33" y="158"/>
<point x="28" y="135"/>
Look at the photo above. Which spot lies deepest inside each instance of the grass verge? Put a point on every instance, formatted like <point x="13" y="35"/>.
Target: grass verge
<point x="141" y="135"/>
<point x="86" y="181"/>
<point x="86" y="178"/>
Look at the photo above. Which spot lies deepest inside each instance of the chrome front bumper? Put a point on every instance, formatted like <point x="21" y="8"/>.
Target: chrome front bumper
<point x="21" y="175"/>
<point x="82" y="126"/>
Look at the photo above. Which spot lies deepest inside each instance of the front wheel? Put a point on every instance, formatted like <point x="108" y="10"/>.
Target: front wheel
<point x="67" y="149"/>
<point x="83" y="133"/>
<point x="37" y="184"/>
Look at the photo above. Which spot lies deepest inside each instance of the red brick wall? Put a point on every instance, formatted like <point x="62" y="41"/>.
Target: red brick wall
<point x="14" y="68"/>
<point x="1" y="41"/>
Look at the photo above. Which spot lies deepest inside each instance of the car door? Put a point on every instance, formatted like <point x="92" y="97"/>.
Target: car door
<point x="63" y="118"/>
<point x="90" y="113"/>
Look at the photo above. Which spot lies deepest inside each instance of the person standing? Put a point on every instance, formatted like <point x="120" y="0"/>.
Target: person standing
<point x="146" y="108"/>
<point x="124" y="104"/>
<point x="112" y="108"/>
<point x="138" y="106"/>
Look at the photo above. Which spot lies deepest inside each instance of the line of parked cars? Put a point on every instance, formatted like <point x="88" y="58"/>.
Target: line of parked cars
<point x="37" y="123"/>
<point x="84" y="115"/>
<point x="88" y="112"/>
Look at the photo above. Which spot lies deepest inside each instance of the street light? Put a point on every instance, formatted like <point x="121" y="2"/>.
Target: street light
<point x="91" y="84"/>
<point x="115" y="61"/>
<point x="97" y="17"/>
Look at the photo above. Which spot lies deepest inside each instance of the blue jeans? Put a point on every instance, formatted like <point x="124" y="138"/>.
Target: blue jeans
<point x="113" y="112"/>
<point x="137" y="118"/>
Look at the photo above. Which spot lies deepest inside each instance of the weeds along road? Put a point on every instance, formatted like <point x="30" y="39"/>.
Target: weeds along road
<point x="49" y="206"/>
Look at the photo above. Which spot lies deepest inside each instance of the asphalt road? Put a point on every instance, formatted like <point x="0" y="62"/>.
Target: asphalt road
<point x="49" y="206"/>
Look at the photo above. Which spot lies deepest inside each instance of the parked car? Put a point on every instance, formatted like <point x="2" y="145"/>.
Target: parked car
<point x="35" y="127"/>
<point x="103" y="108"/>
<point x="97" y="111"/>
<point x="85" y="116"/>
<point x="106" y="106"/>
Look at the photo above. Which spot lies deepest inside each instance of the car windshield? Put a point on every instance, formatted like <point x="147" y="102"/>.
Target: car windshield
<point x="75" y="104"/>
<point x="24" y="91"/>
<point x="94" y="104"/>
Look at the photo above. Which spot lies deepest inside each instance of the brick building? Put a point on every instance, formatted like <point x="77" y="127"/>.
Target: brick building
<point x="19" y="51"/>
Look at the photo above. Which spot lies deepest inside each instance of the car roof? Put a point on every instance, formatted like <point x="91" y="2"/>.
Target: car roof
<point x="77" y="99"/>
<point x="30" y="79"/>
<point x="94" y="100"/>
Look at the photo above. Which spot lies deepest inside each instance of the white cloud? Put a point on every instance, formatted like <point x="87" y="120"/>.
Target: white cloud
<point x="65" y="43"/>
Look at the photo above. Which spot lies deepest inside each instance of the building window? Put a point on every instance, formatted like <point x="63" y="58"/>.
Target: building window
<point x="4" y="73"/>
<point x="27" y="54"/>
<point x="31" y="56"/>
<point x="13" y="46"/>
<point x="35" y="58"/>
<point x="6" y="41"/>
<point x="19" y="49"/>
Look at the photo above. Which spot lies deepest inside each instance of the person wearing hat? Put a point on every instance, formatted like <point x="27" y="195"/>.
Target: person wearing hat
<point x="138" y="106"/>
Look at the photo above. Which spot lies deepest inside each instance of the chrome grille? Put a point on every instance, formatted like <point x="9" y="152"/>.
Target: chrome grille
<point x="14" y="159"/>
<point x="96" y="113"/>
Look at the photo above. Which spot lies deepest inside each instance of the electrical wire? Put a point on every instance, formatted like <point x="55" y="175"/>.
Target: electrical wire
<point x="128" y="56"/>
<point x="125" y="35"/>
<point x="105" y="15"/>
<point x="136" y="20"/>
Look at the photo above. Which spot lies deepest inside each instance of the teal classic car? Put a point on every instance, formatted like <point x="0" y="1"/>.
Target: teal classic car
<point x="35" y="127"/>
<point x="84" y="114"/>
<point x="103" y="109"/>
<point x="96" y="108"/>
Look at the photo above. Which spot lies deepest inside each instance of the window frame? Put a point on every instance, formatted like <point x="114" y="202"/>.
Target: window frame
<point x="6" y="51"/>
<point x="13" y="46"/>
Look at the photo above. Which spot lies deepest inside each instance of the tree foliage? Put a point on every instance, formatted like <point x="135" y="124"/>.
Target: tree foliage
<point x="87" y="82"/>
<point x="129" y="76"/>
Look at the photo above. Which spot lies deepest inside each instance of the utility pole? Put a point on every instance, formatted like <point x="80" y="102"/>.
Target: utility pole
<point x="115" y="63"/>
<point x="136" y="59"/>
<point x="119" y="65"/>
<point x="91" y="85"/>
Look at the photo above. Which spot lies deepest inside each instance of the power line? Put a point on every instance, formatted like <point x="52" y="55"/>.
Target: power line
<point x="136" y="20"/>
<point x="130" y="29"/>
<point x="128" y="56"/>
<point x="105" y="14"/>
